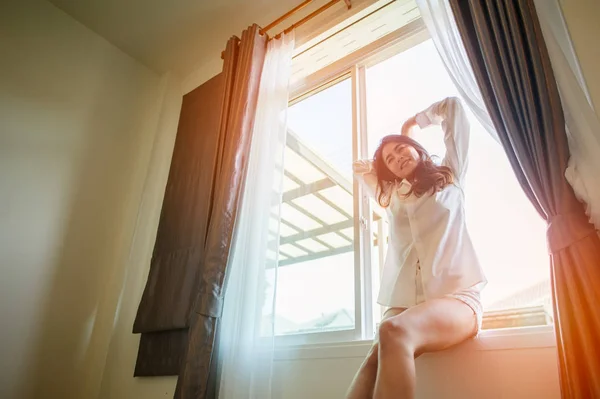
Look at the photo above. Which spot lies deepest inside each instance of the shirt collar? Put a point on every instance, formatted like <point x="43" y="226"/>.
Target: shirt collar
<point x="403" y="186"/>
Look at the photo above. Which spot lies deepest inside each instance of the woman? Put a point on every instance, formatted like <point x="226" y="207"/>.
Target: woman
<point x="431" y="280"/>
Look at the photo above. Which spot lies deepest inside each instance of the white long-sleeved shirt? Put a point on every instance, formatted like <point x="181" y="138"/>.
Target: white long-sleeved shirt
<point x="430" y="229"/>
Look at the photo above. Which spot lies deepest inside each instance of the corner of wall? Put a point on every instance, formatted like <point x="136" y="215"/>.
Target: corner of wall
<point x="204" y="72"/>
<point x="582" y="23"/>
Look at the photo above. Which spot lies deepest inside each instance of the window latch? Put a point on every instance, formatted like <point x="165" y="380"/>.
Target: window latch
<point x="363" y="223"/>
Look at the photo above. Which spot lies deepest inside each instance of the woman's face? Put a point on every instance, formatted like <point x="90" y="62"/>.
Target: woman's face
<point x="401" y="159"/>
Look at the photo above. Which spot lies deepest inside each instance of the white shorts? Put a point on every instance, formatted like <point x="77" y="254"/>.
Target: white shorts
<point x="469" y="296"/>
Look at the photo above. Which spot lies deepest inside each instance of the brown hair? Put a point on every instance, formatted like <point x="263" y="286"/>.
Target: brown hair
<point x="428" y="178"/>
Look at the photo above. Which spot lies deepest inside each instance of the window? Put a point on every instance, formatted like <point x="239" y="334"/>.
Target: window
<point x="317" y="218"/>
<point x="333" y="240"/>
<point x="508" y="234"/>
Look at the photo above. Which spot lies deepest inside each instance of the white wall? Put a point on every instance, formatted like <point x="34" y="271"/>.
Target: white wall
<point x="582" y="19"/>
<point x="118" y="381"/>
<point x="77" y="123"/>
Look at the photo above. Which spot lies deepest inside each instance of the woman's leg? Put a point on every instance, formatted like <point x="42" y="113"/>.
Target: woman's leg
<point x="431" y="326"/>
<point x="363" y="383"/>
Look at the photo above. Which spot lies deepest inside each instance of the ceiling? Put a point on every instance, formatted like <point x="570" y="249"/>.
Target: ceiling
<point x="174" y="35"/>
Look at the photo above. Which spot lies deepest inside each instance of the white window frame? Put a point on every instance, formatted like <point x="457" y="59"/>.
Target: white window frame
<point x="353" y="66"/>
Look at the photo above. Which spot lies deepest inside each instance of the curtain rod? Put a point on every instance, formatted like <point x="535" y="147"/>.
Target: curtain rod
<point x="344" y="28"/>
<point x="286" y="15"/>
<point x="313" y="14"/>
<point x="304" y="20"/>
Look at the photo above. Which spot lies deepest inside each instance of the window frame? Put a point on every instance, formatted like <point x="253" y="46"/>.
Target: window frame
<point x="353" y="66"/>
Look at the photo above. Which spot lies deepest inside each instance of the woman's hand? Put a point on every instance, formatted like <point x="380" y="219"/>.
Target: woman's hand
<point x="409" y="126"/>
<point x="362" y="166"/>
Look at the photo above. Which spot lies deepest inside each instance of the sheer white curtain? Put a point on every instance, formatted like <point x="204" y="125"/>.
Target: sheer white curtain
<point x="246" y="333"/>
<point x="439" y="20"/>
<point x="583" y="126"/>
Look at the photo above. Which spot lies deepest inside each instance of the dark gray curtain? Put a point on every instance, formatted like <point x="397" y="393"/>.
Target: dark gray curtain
<point x="510" y="61"/>
<point x="183" y="298"/>
<point x="163" y="314"/>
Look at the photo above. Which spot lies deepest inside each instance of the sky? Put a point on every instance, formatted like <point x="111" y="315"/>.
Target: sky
<point x="508" y="235"/>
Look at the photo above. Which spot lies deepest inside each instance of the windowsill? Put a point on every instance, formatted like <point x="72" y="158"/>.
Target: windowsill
<point x="503" y="339"/>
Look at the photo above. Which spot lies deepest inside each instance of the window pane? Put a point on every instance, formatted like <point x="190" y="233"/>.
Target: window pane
<point x="507" y="233"/>
<point x="315" y="278"/>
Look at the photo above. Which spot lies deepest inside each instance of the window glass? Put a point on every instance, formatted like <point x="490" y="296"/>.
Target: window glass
<point x="508" y="234"/>
<point x="315" y="277"/>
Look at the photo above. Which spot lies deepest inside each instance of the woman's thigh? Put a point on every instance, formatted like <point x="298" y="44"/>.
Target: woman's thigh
<point x="436" y="324"/>
<point x="391" y="312"/>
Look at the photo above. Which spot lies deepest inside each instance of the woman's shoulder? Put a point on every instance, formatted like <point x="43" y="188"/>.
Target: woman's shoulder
<point x="452" y="191"/>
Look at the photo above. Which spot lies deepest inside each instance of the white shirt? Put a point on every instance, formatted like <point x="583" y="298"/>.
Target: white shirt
<point x="430" y="229"/>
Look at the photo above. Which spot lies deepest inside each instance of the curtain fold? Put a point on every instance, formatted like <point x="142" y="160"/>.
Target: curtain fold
<point x="583" y="124"/>
<point x="440" y="23"/>
<point x="243" y="63"/>
<point x="247" y="337"/>
<point x="509" y="58"/>
<point x="182" y="302"/>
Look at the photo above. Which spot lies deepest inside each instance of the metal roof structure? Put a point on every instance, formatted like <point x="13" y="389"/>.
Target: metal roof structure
<point x="317" y="207"/>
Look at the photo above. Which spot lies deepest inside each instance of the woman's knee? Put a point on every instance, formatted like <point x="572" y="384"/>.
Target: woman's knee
<point x="372" y="356"/>
<point x="396" y="332"/>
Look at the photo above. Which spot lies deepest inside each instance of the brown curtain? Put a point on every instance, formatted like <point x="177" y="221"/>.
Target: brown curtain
<point x="166" y="303"/>
<point x="183" y="298"/>
<point x="243" y="64"/>
<point x="509" y="58"/>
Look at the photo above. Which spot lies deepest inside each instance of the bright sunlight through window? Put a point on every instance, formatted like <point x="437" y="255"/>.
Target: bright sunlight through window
<point x="316" y="287"/>
<point x="508" y="234"/>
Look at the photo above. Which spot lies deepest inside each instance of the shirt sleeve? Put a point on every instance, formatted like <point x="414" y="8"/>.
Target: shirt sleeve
<point x="365" y="175"/>
<point x="450" y="114"/>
